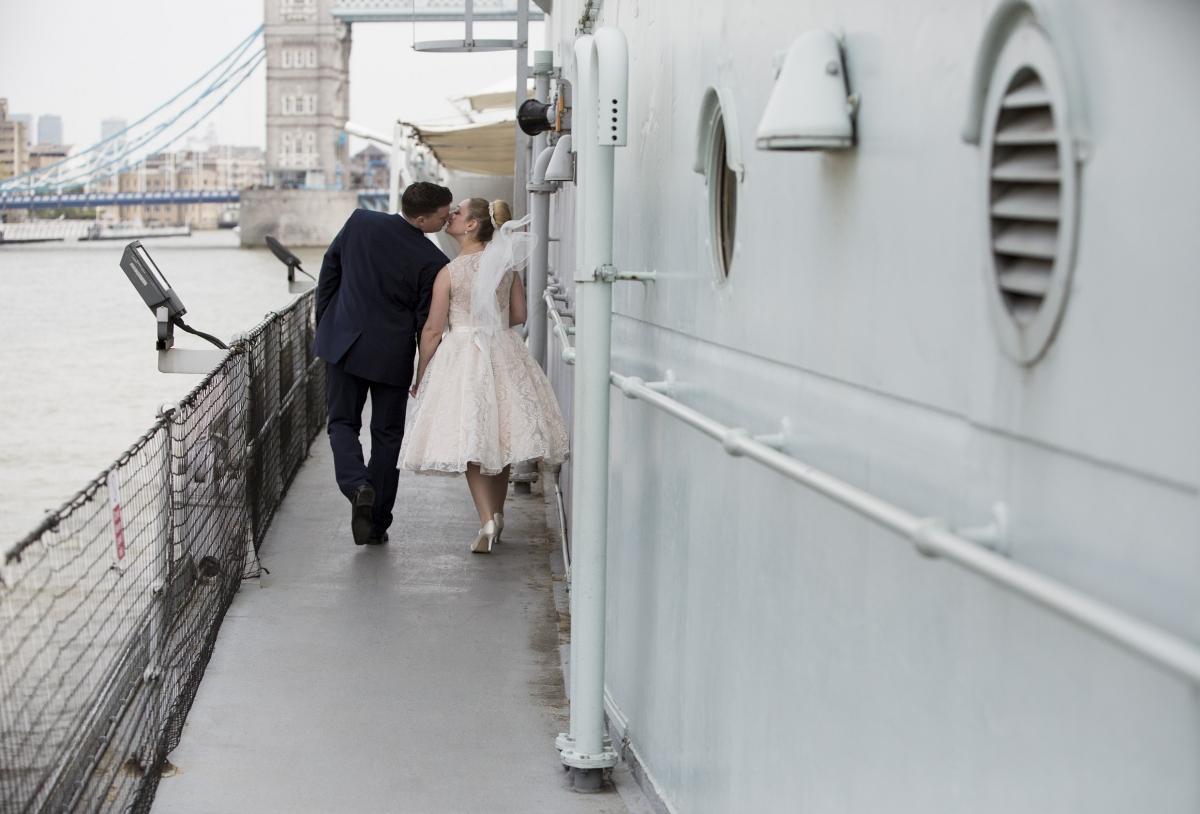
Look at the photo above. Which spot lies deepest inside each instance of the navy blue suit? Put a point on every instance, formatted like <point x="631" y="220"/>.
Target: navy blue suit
<point x="373" y="298"/>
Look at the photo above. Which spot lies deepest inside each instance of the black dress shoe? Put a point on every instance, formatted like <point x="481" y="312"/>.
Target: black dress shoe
<point x="362" y="506"/>
<point x="376" y="539"/>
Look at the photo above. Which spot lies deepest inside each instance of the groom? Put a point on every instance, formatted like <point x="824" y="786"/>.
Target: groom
<point x="373" y="297"/>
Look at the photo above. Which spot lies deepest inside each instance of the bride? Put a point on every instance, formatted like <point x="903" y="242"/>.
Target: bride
<point x="482" y="402"/>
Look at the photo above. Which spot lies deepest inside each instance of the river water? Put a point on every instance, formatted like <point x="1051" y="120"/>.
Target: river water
<point x="78" y="375"/>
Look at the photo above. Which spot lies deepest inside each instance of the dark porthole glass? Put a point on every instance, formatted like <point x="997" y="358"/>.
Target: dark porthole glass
<point x="722" y="185"/>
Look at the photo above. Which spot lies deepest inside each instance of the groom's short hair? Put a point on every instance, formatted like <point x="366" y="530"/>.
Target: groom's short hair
<point x="424" y="198"/>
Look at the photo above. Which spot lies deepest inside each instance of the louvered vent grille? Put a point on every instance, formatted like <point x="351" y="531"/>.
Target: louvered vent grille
<point x="1026" y="195"/>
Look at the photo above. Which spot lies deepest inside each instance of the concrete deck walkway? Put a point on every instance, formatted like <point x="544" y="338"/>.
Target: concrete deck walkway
<point x="411" y="677"/>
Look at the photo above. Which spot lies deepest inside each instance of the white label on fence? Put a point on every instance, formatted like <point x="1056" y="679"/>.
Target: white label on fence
<point x="114" y="499"/>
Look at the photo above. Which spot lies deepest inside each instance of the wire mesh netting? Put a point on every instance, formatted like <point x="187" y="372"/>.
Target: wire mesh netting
<point x="110" y="608"/>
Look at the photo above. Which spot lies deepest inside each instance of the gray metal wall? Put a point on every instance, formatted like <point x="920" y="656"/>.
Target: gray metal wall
<point x="770" y="651"/>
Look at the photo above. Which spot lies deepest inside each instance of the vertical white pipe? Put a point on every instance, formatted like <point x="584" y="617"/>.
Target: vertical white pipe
<point x="581" y="124"/>
<point x="521" y="163"/>
<point x="593" y="310"/>
<point x="535" y="323"/>
<point x="394" y="170"/>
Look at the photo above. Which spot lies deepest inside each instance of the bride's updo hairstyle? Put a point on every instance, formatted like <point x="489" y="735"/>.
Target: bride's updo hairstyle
<point x="489" y="221"/>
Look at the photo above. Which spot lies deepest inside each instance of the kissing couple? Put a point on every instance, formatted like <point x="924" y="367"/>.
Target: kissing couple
<point x="481" y="402"/>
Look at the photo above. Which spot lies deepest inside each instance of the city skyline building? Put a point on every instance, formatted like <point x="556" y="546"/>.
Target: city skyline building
<point x="111" y="126"/>
<point x="27" y="120"/>
<point x="49" y="129"/>
<point x="14" y="144"/>
<point x="45" y="155"/>
<point x="221" y="166"/>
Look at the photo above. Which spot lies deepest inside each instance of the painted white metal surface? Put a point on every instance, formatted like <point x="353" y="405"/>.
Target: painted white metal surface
<point x="767" y="648"/>
<point x="603" y="83"/>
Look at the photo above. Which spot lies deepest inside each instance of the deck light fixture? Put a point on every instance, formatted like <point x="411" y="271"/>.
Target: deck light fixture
<point x="150" y="283"/>
<point x="292" y="262"/>
<point x="810" y="107"/>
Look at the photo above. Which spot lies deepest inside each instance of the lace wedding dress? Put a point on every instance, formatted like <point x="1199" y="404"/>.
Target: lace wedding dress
<point x="484" y="399"/>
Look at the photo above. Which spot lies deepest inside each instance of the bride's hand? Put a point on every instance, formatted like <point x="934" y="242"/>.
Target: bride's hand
<point x="412" y="391"/>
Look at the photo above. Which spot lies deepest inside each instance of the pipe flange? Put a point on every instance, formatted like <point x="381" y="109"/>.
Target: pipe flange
<point x="605" y="759"/>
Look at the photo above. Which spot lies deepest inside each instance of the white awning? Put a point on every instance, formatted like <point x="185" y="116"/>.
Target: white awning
<point x="502" y="95"/>
<point x="487" y="149"/>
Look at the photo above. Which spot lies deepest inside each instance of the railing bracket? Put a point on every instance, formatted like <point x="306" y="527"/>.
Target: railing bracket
<point x="993" y="535"/>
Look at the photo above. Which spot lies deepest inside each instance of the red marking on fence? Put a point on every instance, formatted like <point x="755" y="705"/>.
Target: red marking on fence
<point x="114" y="497"/>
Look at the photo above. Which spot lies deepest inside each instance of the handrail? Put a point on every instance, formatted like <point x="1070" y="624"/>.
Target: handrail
<point x="560" y="330"/>
<point x="931" y="538"/>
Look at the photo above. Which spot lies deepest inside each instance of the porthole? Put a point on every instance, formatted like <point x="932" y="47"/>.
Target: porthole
<point x="718" y="159"/>
<point x="722" y="196"/>
<point x="1030" y="193"/>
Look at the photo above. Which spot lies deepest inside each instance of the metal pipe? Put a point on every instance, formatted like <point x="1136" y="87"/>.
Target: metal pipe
<point x="562" y="528"/>
<point x="520" y="161"/>
<point x="394" y="170"/>
<point x="602" y="65"/>
<point x="932" y="539"/>
<point x="543" y="64"/>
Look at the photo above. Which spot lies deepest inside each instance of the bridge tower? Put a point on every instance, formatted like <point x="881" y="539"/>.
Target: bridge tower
<point x="308" y="94"/>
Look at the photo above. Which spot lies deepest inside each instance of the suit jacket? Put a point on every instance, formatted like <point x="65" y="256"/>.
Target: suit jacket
<point x="373" y="296"/>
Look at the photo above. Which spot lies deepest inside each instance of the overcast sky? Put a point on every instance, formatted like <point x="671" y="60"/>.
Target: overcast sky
<point x="87" y="60"/>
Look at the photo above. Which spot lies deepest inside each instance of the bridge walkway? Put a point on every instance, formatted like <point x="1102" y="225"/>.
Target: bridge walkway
<point x="411" y="677"/>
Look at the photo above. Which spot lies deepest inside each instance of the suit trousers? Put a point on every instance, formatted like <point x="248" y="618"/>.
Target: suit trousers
<point x="345" y="396"/>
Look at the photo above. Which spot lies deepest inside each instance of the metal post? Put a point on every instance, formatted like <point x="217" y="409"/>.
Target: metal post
<point x="602" y="63"/>
<point x="543" y="63"/>
<point x="394" y="170"/>
<point x="520" y="163"/>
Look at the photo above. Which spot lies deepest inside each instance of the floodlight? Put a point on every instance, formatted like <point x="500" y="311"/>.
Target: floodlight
<point x="292" y="262"/>
<point x="149" y="281"/>
<point x="152" y="286"/>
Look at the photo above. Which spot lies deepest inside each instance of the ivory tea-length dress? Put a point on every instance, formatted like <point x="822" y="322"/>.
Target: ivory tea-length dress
<point x="484" y="399"/>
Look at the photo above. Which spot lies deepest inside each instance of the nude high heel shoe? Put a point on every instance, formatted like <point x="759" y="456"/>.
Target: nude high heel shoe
<point x="499" y="518"/>
<point x="485" y="539"/>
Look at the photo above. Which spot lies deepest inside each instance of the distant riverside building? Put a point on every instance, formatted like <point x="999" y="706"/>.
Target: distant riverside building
<point x="308" y="56"/>
<point x="222" y="166"/>
<point x="50" y="129"/>
<point x="14" y="144"/>
<point x="369" y="168"/>
<point x="27" y="120"/>
<point x="43" y="155"/>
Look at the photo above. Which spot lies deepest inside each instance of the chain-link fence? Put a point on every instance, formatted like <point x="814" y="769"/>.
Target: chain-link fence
<point x="110" y="608"/>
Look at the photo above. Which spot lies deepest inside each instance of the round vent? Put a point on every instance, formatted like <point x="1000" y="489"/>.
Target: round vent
<point x="1031" y="186"/>
<point x="1026" y="196"/>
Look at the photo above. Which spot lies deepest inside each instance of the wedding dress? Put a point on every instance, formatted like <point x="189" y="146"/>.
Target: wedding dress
<point x="484" y="398"/>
